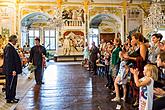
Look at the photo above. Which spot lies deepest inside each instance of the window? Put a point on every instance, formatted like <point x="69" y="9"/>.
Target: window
<point x="93" y="36"/>
<point x="32" y="34"/>
<point x="50" y="39"/>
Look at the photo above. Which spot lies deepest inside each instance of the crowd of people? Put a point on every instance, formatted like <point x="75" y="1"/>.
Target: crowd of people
<point x="136" y="67"/>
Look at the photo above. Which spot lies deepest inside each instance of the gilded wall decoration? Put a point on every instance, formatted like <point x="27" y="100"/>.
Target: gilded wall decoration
<point x="44" y="9"/>
<point x="3" y="42"/>
<point x="106" y="10"/>
<point x="111" y="18"/>
<point x="109" y="25"/>
<point x="37" y="1"/>
<point x="6" y="21"/>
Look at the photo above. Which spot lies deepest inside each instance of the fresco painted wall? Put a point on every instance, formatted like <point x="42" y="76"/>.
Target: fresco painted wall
<point x="73" y="16"/>
<point x="71" y="40"/>
<point x="71" y="43"/>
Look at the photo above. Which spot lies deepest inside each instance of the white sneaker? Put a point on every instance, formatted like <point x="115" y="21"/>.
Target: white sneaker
<point x="118" y="107"/>
<point x="116" y="99"/>
<point x="123" y="98"/>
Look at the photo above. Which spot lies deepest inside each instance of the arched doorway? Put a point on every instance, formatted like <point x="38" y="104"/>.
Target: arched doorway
<point x="107" y="26"/>
<point x="36" y="25"/>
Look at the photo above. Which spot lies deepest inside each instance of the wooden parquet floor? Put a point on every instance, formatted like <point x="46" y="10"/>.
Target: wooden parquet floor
<point x="68" y="86"/>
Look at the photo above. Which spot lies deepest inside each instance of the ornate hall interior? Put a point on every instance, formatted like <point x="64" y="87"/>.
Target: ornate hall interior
<point x="68" y="86"/>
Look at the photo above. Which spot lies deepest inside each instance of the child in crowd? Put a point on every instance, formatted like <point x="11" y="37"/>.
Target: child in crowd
<point x="107" y="62"/>
<point x="121" y="78"/>
<point x="146" y="85"/>
<point x="86" y="56"/>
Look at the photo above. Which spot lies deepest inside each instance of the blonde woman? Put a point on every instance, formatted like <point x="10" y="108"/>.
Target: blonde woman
<point x="146" y="85"/>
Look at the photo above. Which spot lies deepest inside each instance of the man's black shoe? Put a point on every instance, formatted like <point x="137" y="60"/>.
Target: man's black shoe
<point x="38" y="83"/>
<point x="12" y="101"/>
<point x="16" y="99"/>
<point x="42" y="83"/>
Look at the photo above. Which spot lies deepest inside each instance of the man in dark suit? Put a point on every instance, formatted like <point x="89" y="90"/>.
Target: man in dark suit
<point x="11" y="68"/>
<point x="93" y="57"/>
<point x="37" y="53"/>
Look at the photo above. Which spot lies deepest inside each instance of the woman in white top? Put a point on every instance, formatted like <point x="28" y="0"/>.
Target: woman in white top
<point x="154" y="49"/>
<point x="146" y="85"/>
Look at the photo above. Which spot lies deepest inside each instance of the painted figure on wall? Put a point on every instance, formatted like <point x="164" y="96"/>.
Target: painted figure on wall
<point x="66" y="45"/>
<point x="71" y="42"/>
<point x="81" y="15"/>
<point x="73" y="16"/>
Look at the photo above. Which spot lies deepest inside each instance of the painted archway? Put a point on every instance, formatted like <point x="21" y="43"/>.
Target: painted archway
<point x="107" y="23"/>
<point x="33" y="20"/>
